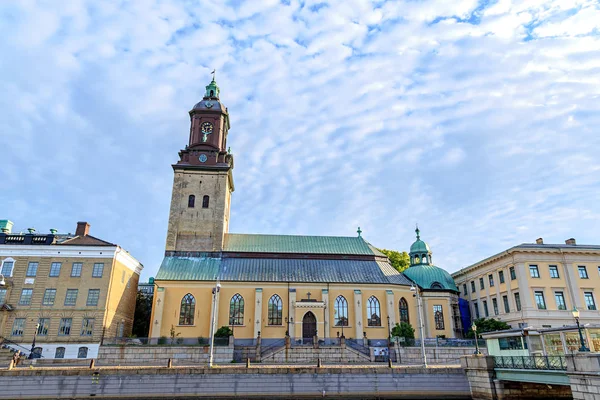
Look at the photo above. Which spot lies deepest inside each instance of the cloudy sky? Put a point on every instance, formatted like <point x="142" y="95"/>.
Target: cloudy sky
<point x="477" y="119"/>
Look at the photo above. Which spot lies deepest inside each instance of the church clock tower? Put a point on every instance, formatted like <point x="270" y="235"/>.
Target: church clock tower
<point x="199" y="216"/>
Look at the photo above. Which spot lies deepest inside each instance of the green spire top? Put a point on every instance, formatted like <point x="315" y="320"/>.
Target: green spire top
<point x="417" y="231"/>
<point x="212" y="90"/>
<point x="358" y="231"/>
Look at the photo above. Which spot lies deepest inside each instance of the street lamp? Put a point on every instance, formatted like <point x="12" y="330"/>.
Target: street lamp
<point x="37" y="327"/>
<point x="420" y="307"/>
<point x="389" y="329"/>
<point x="576" y="316"/>
<point x="2" y="281"/>
<point x="215" y="293"/>
<point x="474" y="328"/>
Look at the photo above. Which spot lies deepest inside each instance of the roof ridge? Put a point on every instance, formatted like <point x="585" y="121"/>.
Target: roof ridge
<point x="276" y="234"/>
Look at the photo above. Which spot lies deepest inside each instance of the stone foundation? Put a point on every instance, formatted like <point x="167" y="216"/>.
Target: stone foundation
<point x="439" y="355"/>
<point x="159" y="355"/>
<point x="308" y="355"/>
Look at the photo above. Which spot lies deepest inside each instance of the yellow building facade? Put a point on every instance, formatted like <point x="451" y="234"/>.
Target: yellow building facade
<point x="535" y="285"/>
<point x="66" y="293"/>
<point x="275" y="285"/>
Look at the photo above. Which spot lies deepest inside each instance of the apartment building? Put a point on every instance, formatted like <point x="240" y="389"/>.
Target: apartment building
<point x="535" y="284"/>
<point x="64" y="292"/>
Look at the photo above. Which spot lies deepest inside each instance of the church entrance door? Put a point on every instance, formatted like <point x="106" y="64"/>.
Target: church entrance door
<point x="309" y="327"/>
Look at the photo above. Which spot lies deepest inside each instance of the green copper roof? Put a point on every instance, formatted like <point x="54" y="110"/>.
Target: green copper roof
<point x="419" y="246"/>
<point x="278" y="270"/>
<point x="426" y="276"/>
<point x="242" y="243"/>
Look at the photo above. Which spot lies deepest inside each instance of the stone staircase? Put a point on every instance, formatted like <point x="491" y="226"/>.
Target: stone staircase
<point x="6" y="355"/>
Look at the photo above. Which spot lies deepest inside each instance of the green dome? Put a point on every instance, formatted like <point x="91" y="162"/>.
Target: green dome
<point x="430" y="277"/>
<point x="420" y="247"/>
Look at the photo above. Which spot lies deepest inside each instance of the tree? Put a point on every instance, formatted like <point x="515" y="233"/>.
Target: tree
<point x="404" y="330"/>
<point x="399" y="260"/>
<point x="223" y="331"/>
<point x="141" y="316"/>
<point x="488" y="325"/>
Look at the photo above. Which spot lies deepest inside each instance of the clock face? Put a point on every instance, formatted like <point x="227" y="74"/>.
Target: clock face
<point x="202" y="158"/>
<point x="207" y="128"/>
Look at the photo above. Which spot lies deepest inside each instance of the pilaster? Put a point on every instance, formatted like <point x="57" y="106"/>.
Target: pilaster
<point x="158" y="306"/>
<point x="258" y="299"/>
<point x="391" y="310"/>
<point x="326" y="329"/>
<point x="292" y="312"/>
<point x="358" y="304"/>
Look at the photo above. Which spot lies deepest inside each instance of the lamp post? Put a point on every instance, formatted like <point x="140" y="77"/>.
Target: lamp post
<point x="215" y="293"/>
<point x="288" y="321"/>
<point x="420" y="307"/>
<point x="581" y="341"/>
<point x="389" y="329"/>
<point x="474" y="328"/>
<point x="344" y="321"/>
<point x="37" y="327"/>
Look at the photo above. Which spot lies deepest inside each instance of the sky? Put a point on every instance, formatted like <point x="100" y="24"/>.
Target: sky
<point x="478" y="120"/>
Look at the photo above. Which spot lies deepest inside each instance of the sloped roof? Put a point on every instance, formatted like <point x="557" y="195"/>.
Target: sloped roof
<point x="278" y="270"/>
<point x="252" y="243"/>
<point x="426" y="275"/>
<point x="86" y="240"/>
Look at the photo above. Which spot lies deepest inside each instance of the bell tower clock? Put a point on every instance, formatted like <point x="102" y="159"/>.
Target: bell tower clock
<point x="203" y="183"/>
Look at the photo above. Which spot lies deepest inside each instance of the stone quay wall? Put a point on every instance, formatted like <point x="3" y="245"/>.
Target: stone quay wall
<point x="160" y="355"/>
<point x="235" y="382"/>
<point x="436" y="355"/>
<point x="309" y="355"/>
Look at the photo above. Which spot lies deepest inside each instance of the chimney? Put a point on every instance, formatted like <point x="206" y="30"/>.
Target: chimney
<point x="570" y="242"/>
<point x="539" y="241"/>
<point x="83" y="229"/>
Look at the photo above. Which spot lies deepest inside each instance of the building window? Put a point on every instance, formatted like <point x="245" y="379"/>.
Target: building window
<point x="98" y="270"/>
<point x="25" y="299"/>
<point x="236" y="310"/>
<point x="120" y="329"/>
<point x="534" y="271"/>
<point x="438" y="315"/>
<point x="187" y="310"/>
<point x="505" y="301"/>
<point x="465" y="289"/>
<point x="589" y="300"/>
<point x="49" y="297"/>
<point x="87" y="327"/>
<point x="191" y="201"/>
<point x="205" y="201"/>
<point x="560" y="301"/>
<point x="32" y="269"/>
<point x="472" y="286"/>
<point x="43" y="325"/>
<point x="82" y="352"/>
<point x="476" y="308"/>
<point x="554" y="271"/>
<point x="93" y="296"/>
<point x="583" y="272"/>
<point x="373" y="312"/>
<point x="511" y="343"/>
<point x="481" y="284"/>
<point x="501" y="276"/>
<point x="64" y="329"/>
<point x="76" y="269"/>
<point x="404" y="310"/>
<point x="71" y="297"/>
<point x="275" y="308"/>
<point x="340" y="311"/>
<point x="539" y="300"/>
<point x="2" y="296"/>
<point x="59" y="353"/>
<point x="518" y="301"/>
<point x="7" y="267"/>
<point x="18" y="327"/>
<point x="513" y="274"/>
<point x="485" y="309"/>
<point x="495" y="305"/>
<point x="55" y="269"/>
<point x="491" y="279"/>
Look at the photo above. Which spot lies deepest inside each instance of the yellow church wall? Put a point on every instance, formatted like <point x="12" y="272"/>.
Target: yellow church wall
<point x="430" y="300"/>
<point x="227" y="292"/>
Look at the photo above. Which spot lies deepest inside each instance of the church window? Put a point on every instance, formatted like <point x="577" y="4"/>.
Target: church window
<point x="275" y="310"/>
<point x="438" y="315"/>
<point x="436" y="285"/>
<point x="236" y="310"/>
<point x="212" y="93"/>
<point x="374" y="311"/>
<point x="186" y="312"/>
<point x="340" y="311"/>
<point x="205" y="201"/>
<point x="191" y="201"/>
<point x="404" y="311"/>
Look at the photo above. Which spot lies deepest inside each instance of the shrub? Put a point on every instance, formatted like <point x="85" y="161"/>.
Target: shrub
<point x="223" y="332"/>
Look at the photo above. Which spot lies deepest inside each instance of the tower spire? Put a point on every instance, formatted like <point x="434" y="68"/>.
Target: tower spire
<point x="417" y="231"/>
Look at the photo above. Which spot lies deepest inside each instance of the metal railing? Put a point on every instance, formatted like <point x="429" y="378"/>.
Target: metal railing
<point x="439" y="342"/>
<point x="554" y="363"/>
<point x="13" y="346"/>
<point x="164" y="341"/>
<point x="271" y="347"/>
<point x="358" y="346"/>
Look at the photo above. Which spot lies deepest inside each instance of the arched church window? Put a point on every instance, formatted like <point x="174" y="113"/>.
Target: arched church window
<point x="340" y="311"/>
<point x="374" y="311"/>
<point x="205" y="201"/>
<point x="191" y="201"/>
<point x="438" y="316"/>
<point x="275" y="310"/>
<point x="404" y="311"/>
<point x="236" y="310"/>
<point x="187" y="309"/>
<point x="436" y="285"/>
<point x="424" y="258"/>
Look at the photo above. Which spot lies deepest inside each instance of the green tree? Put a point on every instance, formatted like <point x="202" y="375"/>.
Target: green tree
<point x="488" y="325"/>
<point x="404" y="330"/>
<point x="223" y="331"/>
<point x="399" y="260"/>
<point x="141" y="316"/>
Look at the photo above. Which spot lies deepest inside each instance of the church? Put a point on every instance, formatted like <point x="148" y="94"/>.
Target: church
<point x="273" y="286"/>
